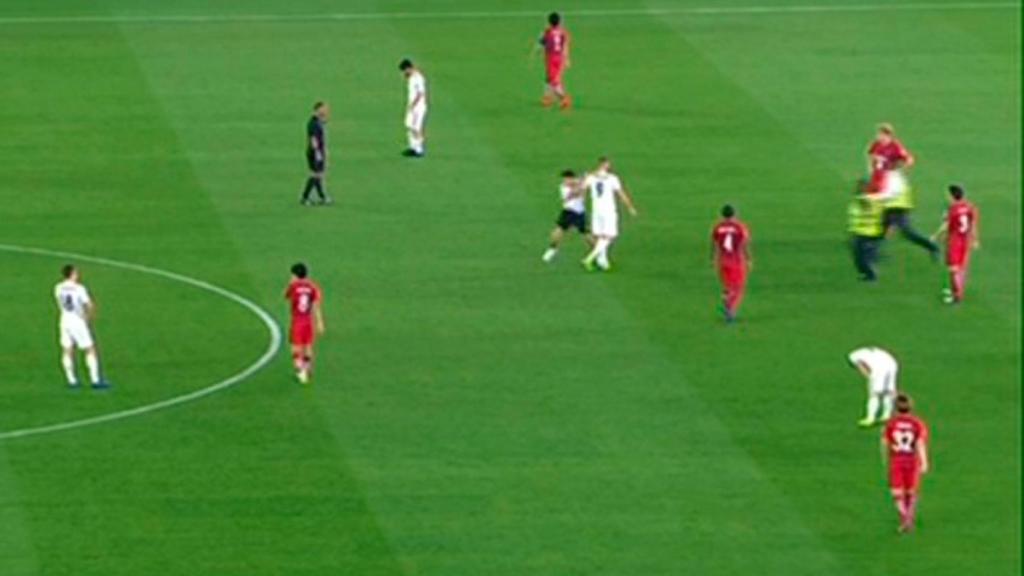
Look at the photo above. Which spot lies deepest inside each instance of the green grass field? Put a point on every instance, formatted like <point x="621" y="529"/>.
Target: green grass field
<point x="475" y="411"/>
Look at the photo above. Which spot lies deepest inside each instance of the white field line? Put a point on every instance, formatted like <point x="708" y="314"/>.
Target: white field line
<point x="272" y="348"/>
<point x="500" y="14"/>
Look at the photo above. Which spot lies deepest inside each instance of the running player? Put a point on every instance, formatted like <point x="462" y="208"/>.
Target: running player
<point x="730" y="250"/>
<point x="905" y="446"/>
<point x="880" y="368"/>
<point x="304" y="296"/>
<point x="606" y="191"/>
<point x="960" y="227"/>
<point x="573" y="215"/>
<point x="555" y="42"/>
<point x="415" y="108"/>
<point x="316" y="154"/>
<point x="887" y="157"/>
<point x="76" y="313"/>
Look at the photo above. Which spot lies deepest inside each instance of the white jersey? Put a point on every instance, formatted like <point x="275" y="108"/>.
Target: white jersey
<point x="417" y="88"/>
<point x="604" y="189"/>
<point x="72" y="300"/>
<point x="572" y="203"/>
<point x="881" y="364"/>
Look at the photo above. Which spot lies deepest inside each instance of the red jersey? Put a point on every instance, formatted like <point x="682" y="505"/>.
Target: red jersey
<point x="961" y="219"/>
<point x="887" y="156"/>
<point x="302" y="293"/>
<point x="555" y="41"/>
<point x="903" y="434"/>
<point x="730" y="238"/>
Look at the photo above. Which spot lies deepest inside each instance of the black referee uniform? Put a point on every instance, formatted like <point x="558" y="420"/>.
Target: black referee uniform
<point x="316" y="158"/>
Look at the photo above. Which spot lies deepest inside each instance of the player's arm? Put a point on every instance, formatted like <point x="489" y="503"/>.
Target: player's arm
<point x="565" y="49"/>
<point x="975" y="233"/>
<point x="626" y="199"/>
<point x="314" y="143"/>
<point x="416" y="101"/>
<point x="863" y="368"/>
<point x="747" y="254"/>
<point x="922" y="455"/>
<point x="885" y="447"/>
<point x="318" y="316"/>
<point x="941" y="231"/>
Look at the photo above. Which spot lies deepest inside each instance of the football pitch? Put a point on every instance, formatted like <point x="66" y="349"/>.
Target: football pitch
<point x="476" y="411"/>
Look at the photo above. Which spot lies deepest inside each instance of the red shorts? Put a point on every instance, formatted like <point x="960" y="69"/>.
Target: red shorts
<point x="957" y="252"/>
<point x="302" y="334"/>
<point x="733" y="276"/>
<point x="904" y="475"/>
<point x="555" y="67"/>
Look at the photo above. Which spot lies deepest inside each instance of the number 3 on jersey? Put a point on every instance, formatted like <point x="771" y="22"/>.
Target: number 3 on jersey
<point x="964" y="224"/>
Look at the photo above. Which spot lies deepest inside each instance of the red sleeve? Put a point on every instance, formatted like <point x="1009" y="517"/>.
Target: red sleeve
<point x="288" y="292"/>
<point x="902" y="152"/>
<point x="873" y="148"/>
<point x="924" y="431"/>
<point x="316" y="292"/>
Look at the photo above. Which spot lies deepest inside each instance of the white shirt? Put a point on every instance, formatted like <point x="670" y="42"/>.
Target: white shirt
<point x="417" y="86"/>
<point x="604" y="187"/>
<point x="72" y="299"/>
<point x="877" y="360"/>
<point x="572" y="203"/>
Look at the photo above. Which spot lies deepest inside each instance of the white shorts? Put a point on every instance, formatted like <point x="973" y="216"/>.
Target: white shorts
<point x="883" y="380"/>
<point x="894" y="185"/>
<point x="604" y="225"/>
<point x="414" y="119"/>
<point x="74" y="332"/>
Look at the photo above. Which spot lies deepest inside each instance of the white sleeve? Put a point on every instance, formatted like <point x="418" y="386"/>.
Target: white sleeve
<point x="83" y="295"/>
<point x="858" y="355"/>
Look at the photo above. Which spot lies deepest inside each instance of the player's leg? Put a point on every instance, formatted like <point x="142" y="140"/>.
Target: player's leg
<point x="603" y="262"/>
<point x="889" y="394"/>
<point x="67" y="361"/>
<point x="556" y="240"/>
<point x="902" y="221"/>
<point x="899" y="500"/>
<point x="875" y="392"/>
<point x="92" y="362"/>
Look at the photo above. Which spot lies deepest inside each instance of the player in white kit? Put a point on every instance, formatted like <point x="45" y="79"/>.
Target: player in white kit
<point x="573" y="214"/>
<point x="606" y="191"/>
<point x="880" y="368"/>
<point x="415" y="108"/>
<point x="76" y="310"/>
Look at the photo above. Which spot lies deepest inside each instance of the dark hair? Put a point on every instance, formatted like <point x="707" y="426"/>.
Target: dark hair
<point x="903" y="404"/>
<point x="67" y="270"/>
<point x="299" y="270"/>
<point x="568" y="174"/>
<point x="603" y="159"/>
<point x="956" y="191"/>
<point x="319" y="104"/>
<point x="405" y="64"/>
<point x="728" y="211"/>
<point x="554" y="19"/>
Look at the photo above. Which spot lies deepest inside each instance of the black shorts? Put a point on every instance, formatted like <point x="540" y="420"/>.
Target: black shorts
<point x="314" y="164"/>
<point x="569" y="219"/>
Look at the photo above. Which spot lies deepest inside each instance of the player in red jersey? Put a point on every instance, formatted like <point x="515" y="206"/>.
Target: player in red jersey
<point x="730" y="249"/>
<point x="960" y="227"/>
<point x="905" y="446"/>
<point x="555" y="41"/>
<point x="886" y="157"/>
<point x="307" y="320"/>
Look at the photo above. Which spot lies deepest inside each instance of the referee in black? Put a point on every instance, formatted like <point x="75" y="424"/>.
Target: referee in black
<point x="316" y="154"/>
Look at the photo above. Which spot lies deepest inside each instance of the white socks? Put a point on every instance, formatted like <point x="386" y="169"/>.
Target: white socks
<point x="873" y="403"/>
<point x="599" y="253"/>
<point x="887" y="402"/>
<point x="94" y="367"/>
<point x="415" y="142"/>
<point x="549" y="254"/>
<point x="68" y="362"/>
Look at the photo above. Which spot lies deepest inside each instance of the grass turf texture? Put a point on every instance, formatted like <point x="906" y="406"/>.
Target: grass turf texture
<point x="476" y="412"/>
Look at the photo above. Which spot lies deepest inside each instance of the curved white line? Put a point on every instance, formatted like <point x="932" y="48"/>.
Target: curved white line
<point x="268" y="355"/>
